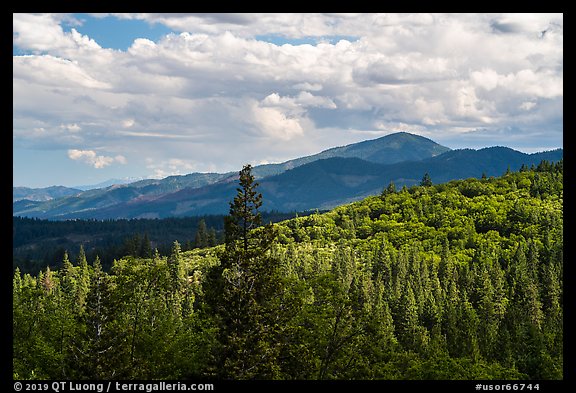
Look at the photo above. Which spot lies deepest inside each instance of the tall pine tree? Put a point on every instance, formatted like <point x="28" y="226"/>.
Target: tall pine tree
<point x="245" y="289"/>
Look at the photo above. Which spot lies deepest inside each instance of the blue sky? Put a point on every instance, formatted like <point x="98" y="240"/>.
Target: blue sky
<point x="151" y="95"/>
<point x="109" y="32"/>
<point x="114" y="33"/>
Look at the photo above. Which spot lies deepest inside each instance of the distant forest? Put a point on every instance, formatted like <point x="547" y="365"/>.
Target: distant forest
<point x="37" y="243"/>
<point x="460" y="280"/>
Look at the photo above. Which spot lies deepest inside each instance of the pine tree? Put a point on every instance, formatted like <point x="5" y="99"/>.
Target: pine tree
<point x="175" y="267"/>
<point x="67" y="280"/>
<point x="212" y="240"/>
<point x="391" y="189"/>
<point x="67" y="310"/>
<point x="48" y="283"/>
<point x="188" y="246"/>
<point x="132" y="245"/>
<point x="426" y="180"/>
<point x="95" y="351"/>
<point x="81" y="260"/>
<point x="410" y="334"/>
<point x="177" y="279"/>
<point x="146" y="247"/>
<point x="244" y="217"/>
<point x="201" y="238"/>
<point x="83" y="280"/>
<point x="244" y="290"/>
<point x="17" y="283"/>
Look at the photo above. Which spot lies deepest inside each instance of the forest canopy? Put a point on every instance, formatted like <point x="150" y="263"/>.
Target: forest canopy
<point x="460" y="280"/>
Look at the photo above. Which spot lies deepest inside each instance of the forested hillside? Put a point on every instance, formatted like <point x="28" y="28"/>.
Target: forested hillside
<point x="461" y="280"/>
<point x="321" y="184"/>
<point x="38" y="243"/>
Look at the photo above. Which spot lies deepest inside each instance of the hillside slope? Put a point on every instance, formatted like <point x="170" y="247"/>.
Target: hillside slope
<point x="322" y="184"/>
<point x="387" y="149"/>
<point x="455" y="281"/>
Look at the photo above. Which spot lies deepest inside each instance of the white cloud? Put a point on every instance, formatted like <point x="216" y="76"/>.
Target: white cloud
<point x="305" y="98"/>
<point x="90" y="157"/>
<point x="486" y="79"/>
<point x="217" y="92"/>
<point x="170" y="167"/>
<point x="71" y="127"/>
<point x="527" y="105"/>
<point x="308" y="86"/>
<point x="121" y="159"/>
<point x="48" y="70"/>
<point x="275" y="123"/>
<point x="42" y="32"/>
<point x="128" y="123"/>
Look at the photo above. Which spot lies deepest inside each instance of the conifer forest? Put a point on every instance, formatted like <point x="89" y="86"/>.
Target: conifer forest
<point x="459" y="280"/>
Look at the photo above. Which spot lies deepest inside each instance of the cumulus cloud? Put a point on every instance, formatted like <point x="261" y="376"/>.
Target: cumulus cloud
<point x="90" y="157"/>
<point x="274" y="122"/>
<point x="251" y="24"/>
<point x="220" y="89"/>
<point x="71" y="127"/>
<point x="43" y="32"/>
<point x="302" y="100"/>
<point x="170" y="167"/>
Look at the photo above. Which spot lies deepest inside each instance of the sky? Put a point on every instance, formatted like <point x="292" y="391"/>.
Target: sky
<point x="101" y="96"/>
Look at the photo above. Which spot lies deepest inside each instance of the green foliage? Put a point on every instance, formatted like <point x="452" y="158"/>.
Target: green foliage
<point x="426" y="180"/>
<point x="461" y="280"/>
<point x="245" y="291"/>
<point x="39" y="243"/>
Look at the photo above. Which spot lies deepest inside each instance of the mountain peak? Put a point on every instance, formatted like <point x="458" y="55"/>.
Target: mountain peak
<point x="329" y="178"/>
<point x="387" y="149"/>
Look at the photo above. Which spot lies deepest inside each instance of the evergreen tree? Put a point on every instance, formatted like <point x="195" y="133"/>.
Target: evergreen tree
<point x="426" y="180"/>
<point x="145" y="247"/>
<point x="17" y="282"/>
<point x="390" y="189"/>
<point x="81" y="259"/>
<point x="67" y="280"/>
<point x="83" y="280"/>
<point x="132" y="245"/>
<point x="201" y="238"/>
<point x="244" y="217"/>
<point x="212" y="239"/>
<point x="244" y="290"/>
<point x="177" y="277"/>
<point x="406" y="320"/>
<point x="96" y="350"/>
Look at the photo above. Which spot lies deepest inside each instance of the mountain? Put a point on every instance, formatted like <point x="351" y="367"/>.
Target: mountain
<point x="88" y="203"/>
<point x="321" y="184"/>
<point x="388" y="149"/>
<point x="108" y="183"/>
<point x="42" y="194"/>
<point x="327" y="183"/>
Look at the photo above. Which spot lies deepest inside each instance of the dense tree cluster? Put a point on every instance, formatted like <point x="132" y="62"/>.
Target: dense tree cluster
<point x="461" y="280"/>
<point x="38" y="243"/>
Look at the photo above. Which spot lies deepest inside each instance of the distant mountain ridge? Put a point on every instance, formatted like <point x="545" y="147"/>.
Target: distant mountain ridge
<point x="107" y="183"/>
<point x="325" y="180"/>
<point x="389" y="149"/>
<point x="42" y="194"/>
